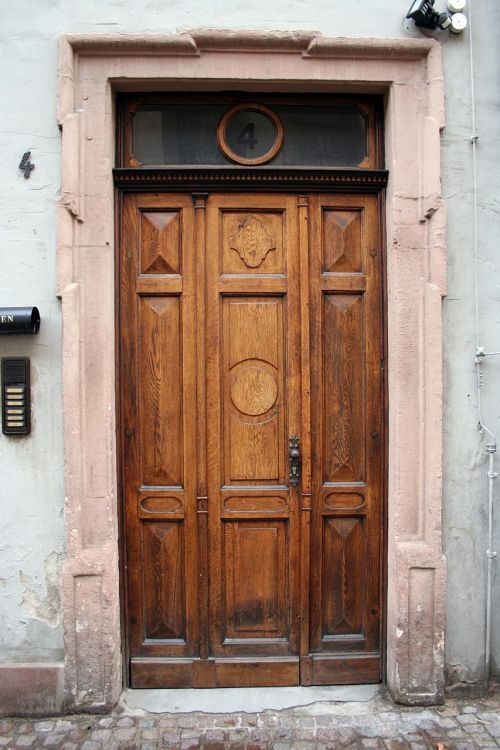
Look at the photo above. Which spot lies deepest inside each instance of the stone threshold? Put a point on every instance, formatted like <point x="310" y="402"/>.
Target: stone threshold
<point x="240" y="700"/>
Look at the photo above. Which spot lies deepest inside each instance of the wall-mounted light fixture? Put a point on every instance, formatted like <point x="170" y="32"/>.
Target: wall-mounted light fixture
<point x="425" y="16"/>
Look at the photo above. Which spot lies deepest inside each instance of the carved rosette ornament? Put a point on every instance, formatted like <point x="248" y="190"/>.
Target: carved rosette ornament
<point x="252" y="242"/>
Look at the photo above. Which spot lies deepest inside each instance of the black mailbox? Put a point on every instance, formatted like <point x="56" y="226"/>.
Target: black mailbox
<point x="19" y="320"/>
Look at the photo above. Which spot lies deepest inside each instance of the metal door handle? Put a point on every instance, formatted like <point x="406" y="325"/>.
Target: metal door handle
<point x="294" y="459"/>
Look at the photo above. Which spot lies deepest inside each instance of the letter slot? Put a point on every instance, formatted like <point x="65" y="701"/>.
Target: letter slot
<point x="19" y="320"/>
<point x="16" y="396"/>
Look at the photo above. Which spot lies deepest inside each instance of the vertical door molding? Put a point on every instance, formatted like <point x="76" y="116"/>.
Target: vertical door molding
<point x="305" y="432"/>
<point x="409" y="72"/>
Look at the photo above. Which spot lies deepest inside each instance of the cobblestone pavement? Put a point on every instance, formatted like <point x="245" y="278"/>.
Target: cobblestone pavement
<point x="458" y="725"/>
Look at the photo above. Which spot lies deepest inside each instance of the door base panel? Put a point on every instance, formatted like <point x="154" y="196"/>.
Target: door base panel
<point x="345" y="669"/>
<point x="338" y="669"/>
<point x="198" y="673"/>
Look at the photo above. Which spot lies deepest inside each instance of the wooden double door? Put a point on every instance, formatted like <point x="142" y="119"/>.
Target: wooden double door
<point x="246" y="320"/>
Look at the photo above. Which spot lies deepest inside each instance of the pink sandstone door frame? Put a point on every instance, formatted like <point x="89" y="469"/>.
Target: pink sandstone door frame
<point x="409" y="73"/>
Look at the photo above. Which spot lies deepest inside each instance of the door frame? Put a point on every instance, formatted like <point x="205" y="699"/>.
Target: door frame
<point x="409" y="73"/>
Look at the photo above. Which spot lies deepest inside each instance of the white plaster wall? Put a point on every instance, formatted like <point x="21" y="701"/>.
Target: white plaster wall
<point x="465" y="475"/>
<point x="31" y="492"/>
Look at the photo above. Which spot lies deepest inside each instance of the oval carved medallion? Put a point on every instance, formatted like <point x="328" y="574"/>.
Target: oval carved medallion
<point x="160" y="504"/>
<point x="253" y="391"/>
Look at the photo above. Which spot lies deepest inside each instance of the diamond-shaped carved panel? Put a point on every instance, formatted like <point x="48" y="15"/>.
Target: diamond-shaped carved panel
<point x="344" y="556"/>
<point x="344" y="390"/>
<point x="163" y="551"/>
<point x="342" y="241"/>
<point x="160" y="242"/>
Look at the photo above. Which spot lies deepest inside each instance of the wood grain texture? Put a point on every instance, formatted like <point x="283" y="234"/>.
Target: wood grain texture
<point x="158" y="407"/>
<point x="253" y="378"/>
<point x="344" y="543"/>
<point x="229" y="345"/>
<point x="163" y="556"/>
<point x="160" y="243"/>
<point x="200" y="203"/>
<point x="160" y="398"/>
<point x="253" y="389"/>
<point x="344" y="377"/>
<point x="256" y="595"/>
<point x="347" y="429"/>
<point x="305" y="434"/>
<point x="341" y="241"/>
<point x="252" y="242"/>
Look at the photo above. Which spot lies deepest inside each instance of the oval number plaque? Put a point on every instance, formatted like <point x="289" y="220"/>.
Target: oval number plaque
<point x="250" y="134"/>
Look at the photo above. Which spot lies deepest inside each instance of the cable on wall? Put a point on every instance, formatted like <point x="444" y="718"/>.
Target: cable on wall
<point x="481" y="354"/>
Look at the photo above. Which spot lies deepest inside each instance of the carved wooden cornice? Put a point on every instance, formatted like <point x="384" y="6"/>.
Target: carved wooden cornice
<point x="262" y="178"/>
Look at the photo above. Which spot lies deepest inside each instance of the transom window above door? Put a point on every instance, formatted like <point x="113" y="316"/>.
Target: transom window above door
<point x="249" y="130"/>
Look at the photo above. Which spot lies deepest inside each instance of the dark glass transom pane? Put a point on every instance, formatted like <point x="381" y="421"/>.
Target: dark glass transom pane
<point x="322" y="136"/>
<point x="186" y="133"/>
<point x="177" y="134"/>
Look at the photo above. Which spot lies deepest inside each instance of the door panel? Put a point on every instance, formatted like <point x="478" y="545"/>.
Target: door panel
<point x="255" y="596"/>
<point x="163" y="558"/>
<point x="159" y="353"/>
<point x="252" y="370"/>
<point x="253" y="390"/>
<point x="245" y="319"/>
<point x="157" y="417"/>
<point x="347" y="439"/>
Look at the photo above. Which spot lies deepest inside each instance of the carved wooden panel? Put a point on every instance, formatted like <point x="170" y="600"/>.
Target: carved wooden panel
<point x="343" y="501"/>
<point x="344" y="574"/>
<point x="157" y="424"/>
<point x="253" y="389"/>
<point x="252" y="375"/>
<point x="163" y="574"/>
<point x="244" y="319"/>
<point x="341" y="241"/>
<point x="347" y="439"/>
<point x="252" y="242"/>
<point x="344" y="388"/>
<point x="255" y="504"/>
<point x="160" y="244"/>
<point x="160" y="403"/>
<point x="159" y="504"/>
<point x="255" y="564"/>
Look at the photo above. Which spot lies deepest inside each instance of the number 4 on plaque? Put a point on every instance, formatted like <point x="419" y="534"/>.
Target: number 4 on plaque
<point x="247" y="136"/>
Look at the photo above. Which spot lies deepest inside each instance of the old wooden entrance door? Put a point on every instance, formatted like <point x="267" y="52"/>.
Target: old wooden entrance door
<point x="247" y="321"/>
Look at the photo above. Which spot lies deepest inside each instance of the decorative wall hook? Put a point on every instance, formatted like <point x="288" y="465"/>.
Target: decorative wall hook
<point x="26" y="165"/>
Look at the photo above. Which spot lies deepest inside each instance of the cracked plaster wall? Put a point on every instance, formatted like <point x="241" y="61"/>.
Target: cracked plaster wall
<point x="31" y="492"/>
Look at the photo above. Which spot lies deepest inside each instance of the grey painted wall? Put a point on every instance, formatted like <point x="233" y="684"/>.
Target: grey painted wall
<point x="31" y="488"/>
<point x="465" y="470"/>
